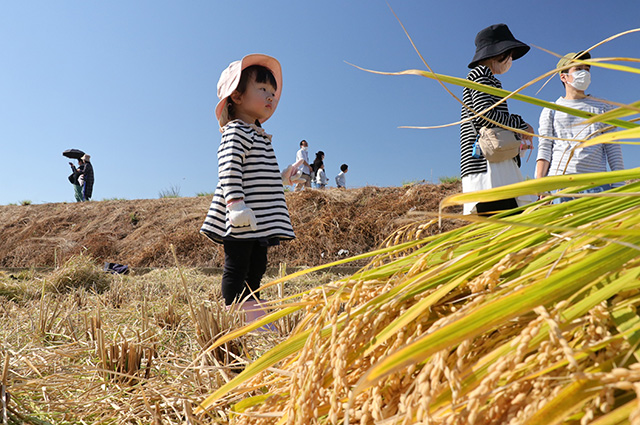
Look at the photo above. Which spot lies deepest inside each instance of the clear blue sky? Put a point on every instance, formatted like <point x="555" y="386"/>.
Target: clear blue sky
<point x="133" y="83"/>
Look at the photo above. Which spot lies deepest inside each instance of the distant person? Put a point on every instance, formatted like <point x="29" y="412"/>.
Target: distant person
<point x="73" y="178"/>
<point x="321" y="177"/>
<point x="555" y="156"/>
<point x="496" y="48"/>
<point x="86" y="178"/>
<point x="304" y="167"/>
<point x="341" y="180"/>
<point x="315" y="165"/>
<point x="248" y="212"/>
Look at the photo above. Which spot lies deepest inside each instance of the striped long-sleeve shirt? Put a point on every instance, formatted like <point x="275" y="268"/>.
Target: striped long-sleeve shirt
<point x="558" y="124"/>
<point x="479" y="101"/>
<point x="247" y="168"/>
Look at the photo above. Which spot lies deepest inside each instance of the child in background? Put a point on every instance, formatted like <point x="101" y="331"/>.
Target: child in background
<point x="321" y="176"/>
<point x="248" y="212"/>
<point x="341" y="181"/>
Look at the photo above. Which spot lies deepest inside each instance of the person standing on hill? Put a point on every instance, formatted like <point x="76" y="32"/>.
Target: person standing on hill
<point x="557" y="157"/>
<point x="73" y="178"/>
<point x="321" y="177"/>
<point x="496" y="48"/>
<point x="315" y="165"/>
<point x="87" y="178"/>
<point x="303" y="155"/>
<point x="341" y="180"/>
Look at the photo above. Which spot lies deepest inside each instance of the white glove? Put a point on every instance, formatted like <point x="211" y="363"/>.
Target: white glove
<point x="241" y="216"/>
<point x="292" y="174"/>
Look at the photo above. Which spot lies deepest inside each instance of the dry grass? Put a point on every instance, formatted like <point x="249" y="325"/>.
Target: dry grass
<point x="129" y="353"/>
<point x="139" y="232"/>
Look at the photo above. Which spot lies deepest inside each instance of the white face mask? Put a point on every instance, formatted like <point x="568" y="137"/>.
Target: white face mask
<point x="581" y="79"/>
<point x="305" y="148"/>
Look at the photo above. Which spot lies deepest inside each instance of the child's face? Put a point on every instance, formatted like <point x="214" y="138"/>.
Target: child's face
<point x="258" y="102"/>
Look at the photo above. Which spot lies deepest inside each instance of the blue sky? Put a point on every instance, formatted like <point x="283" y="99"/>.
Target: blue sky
<point x="133" y="83"/>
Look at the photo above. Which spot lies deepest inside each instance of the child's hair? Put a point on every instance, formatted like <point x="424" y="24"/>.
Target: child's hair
<point x="317" y="161"/>
<point x="344" y="167"/>
<point x="302" y="141"/>
<point x="260" y="73"/>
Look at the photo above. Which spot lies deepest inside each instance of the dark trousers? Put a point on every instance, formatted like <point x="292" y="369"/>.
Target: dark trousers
<point x="244" y="265"/>
<point x="490" y="208"/>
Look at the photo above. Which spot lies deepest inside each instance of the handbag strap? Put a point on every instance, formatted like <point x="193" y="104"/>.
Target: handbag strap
<point x="471" y="121"/>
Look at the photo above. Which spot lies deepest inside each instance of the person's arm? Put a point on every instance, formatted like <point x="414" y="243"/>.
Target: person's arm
<point x="545" y="146"/>
<point x="542" y="168"/>
<point x="614" y="158"/>
<point x="231" y="154"/>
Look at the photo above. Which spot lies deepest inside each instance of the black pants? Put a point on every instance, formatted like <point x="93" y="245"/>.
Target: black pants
<point x="244" y="265"/>
<point x="490" y="208"/>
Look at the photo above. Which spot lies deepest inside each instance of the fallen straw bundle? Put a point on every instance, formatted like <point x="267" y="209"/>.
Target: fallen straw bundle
<point x="521" y="319"/>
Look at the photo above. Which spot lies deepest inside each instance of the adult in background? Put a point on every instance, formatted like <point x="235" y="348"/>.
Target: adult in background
<point x="496" y="48"/>
<point x="303" y="155"/>
<point x="555" y="156"/>
<point x="73" y="178"/>
<point x="87" y="178"/>
<point x="315" y="166"/>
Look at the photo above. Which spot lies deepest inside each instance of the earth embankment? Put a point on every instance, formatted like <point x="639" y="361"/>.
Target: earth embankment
<point x="329" y="224"/>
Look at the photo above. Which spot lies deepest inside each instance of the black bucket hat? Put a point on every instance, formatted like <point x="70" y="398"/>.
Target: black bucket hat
<point x="496" y="40"/>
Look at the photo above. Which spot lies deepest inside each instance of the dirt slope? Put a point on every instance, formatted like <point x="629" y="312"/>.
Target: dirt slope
<point x="139" y="232"/>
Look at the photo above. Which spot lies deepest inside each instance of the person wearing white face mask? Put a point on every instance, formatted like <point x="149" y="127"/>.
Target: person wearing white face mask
<point x="496" y="49"/>
<point x="555" y="156"/>
<point x="303" y="155"/>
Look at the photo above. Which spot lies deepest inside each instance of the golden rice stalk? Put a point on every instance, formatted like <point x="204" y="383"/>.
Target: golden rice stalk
<point x="124" y="362"/>
<point x="213" y="321"/>
<point x="514" y="319"/>
<point x="490" y="322"/>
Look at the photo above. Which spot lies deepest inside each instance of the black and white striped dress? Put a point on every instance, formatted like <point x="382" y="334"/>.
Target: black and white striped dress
<point x="247" y="168"/>
<point x="479" y="101"/>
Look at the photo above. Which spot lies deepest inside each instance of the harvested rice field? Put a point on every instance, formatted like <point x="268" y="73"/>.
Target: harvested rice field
<point x="83" y="346"/>
<point x="525" y="318"/>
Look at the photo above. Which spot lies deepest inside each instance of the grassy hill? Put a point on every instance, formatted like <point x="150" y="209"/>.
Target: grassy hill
<point x="139" y="232"/>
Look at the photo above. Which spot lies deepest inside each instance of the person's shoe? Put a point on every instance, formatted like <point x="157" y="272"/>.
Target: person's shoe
<point x="253" y="311"/>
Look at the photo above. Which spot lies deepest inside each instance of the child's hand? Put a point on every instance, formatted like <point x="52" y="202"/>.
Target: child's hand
<point x="241" y="216"/>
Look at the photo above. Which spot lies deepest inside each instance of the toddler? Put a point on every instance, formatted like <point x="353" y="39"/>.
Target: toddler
<point x="321" y="177"/>
<point x="248" y="212"/>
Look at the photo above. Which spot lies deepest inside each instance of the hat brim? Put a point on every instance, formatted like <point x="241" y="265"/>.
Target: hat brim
<point x="268" y="62"/>
<point x="519" y="50"/>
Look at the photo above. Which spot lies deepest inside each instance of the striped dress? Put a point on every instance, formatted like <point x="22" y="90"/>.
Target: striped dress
<point x="247" y="168"/>
<point x="558" y="124"/>
<point x="479" y="101"/>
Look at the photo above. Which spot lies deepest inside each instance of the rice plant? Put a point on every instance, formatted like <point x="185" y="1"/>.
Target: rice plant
<point x="525" y="318"/>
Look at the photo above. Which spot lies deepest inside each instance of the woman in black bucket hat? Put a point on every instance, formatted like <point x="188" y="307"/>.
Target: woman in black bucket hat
<point x="496" y="48"/>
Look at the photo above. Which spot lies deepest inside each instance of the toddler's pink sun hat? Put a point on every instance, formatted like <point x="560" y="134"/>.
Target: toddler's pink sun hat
<point x="230" y="78"/>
